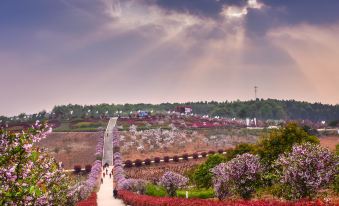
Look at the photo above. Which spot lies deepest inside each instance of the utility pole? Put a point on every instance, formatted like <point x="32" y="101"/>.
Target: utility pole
<point x="255" y="92"/>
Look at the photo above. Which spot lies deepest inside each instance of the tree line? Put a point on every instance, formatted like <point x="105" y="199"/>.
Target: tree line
<point x="263" y="109"/>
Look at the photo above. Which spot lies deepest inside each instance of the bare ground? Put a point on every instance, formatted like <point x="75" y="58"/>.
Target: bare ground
<point x="72" y="148"/>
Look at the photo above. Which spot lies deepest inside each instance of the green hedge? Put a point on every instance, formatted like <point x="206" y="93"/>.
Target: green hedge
<point x="203" y="193"/>
<point x="155" y="190"/>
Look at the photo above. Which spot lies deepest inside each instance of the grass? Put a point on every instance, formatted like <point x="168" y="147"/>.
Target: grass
<point x="155" y="190"/>
<point x="196" y="193"/>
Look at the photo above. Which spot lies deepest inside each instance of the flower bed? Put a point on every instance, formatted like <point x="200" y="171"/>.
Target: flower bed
<point x="134" y="199"/>
<point x="90" y="201"/>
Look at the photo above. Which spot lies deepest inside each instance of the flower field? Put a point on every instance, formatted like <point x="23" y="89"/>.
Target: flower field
<point x="133" y="199"/>
<point x="261" y="173"/>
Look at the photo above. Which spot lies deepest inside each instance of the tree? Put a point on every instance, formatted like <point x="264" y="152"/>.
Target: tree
<point x="282" y="140"/>
<point x="202" y="176"/>
<point x="239" y="176"/>
<point x="240" y="149"/>
<point x="306" y="170"/>
<point x="28" y="176"/>
<point x="173" y="181"/>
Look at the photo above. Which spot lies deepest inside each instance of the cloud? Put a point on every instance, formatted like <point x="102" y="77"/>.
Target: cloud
<point x="231" y="12"/>
<point x="152" y="51"/>
<point x="314" y="49"/>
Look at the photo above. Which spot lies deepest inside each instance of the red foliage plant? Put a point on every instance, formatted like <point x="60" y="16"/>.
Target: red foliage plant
<point x="203" y="154"/>
<point x="88" y="168"/>
<point x="220" y="151"/>
<point x="134" y="199"/>
<point x="157" y="159"/>
<point x="175" y="158"/>
<point x="166" y="159"/>
<point x="90" y="201"/>
<point x="147" y="161"/>
<point x="195" y="155"/>
<point x="77" y="168"/>
<point x="138" y="163"/>
<point x="185" y="156"/>
<point x="128" y="163"/>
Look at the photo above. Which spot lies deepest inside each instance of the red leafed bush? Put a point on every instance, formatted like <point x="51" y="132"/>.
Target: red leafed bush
<point x="134" y="199"/>
<point x="147" y="161"/>
<point x="203" y="154"/>
<point x="220" y="151"/>
<point x="195" y="155"/>
<point x="128" y="163"/>
<point x="175" y="158"/>
<point x="157" y="159"/>
<point x="166" y="159"/>
<point x="211" y="152"/>
<point x="185" y="156"/>
<point x="138" y="163"/>
<point x="88" y="168"/>
<point x="77" y="168"/>
<point x="90" y="201"/>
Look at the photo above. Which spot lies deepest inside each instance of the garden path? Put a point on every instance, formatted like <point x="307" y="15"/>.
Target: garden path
<point x="105" y="194"/>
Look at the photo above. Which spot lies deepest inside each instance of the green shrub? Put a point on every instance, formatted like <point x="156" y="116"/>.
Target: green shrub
<point x="197" y="193"/>
<point x="282" y="140"/>
<point x="155" y="190"/>
<point x="202" y="177"/>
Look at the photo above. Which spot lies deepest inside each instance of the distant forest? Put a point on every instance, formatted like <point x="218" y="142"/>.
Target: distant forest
<point x="260" y="108"/>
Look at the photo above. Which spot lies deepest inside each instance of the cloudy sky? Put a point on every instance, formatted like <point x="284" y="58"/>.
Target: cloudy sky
<point x="56" y="52"/>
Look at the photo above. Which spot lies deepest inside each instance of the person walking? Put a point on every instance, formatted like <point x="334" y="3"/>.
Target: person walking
<point x="115" y="193"/>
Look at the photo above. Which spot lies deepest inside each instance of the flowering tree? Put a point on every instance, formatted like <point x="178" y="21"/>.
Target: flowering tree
<point x="172" y="181"/>
<point x="28" y="176"/>
<point x="239" y="176"/>
<point x="306" y="169"/>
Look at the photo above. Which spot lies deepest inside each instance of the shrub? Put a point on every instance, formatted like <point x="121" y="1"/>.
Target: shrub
<point x="306" y="170"/>
<point x="128" y="163"/>
<point x="195" y="155"/>
<point x="202" y="177"/>
<point x="185" y="156"/>
<point x="239" y="176"/>
<point x="77" y="168"/>
<point x="282" y="140"/>
<point x="175" y="158"/>
<point x="156" y="159"/>
<point x="211" y="152"/>
<point x="220" y="151"/>
<point x="138" y="163"/>
<point x="203" y="154"/>
<point x="131" y="198"/>
<point x="173" y="181"/>
<point x="88" y="168"/>
<point x="147" y="161"/>
<point x="166" y="159"/>
<point x="155" y="190"/>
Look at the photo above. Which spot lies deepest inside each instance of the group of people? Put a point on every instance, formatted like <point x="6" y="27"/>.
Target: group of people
<point x="105" y="172"/>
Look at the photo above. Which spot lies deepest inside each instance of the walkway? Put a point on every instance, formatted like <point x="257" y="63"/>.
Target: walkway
<point x="105" y="194"/>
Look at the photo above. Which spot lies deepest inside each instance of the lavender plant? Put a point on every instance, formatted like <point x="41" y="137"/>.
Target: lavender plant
<point x="239" y="176"/>
<point x="173" y="181"/>
<point x="306" y="170"/>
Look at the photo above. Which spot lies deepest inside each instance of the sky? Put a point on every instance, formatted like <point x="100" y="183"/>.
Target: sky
<point x="55" y="52"/>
